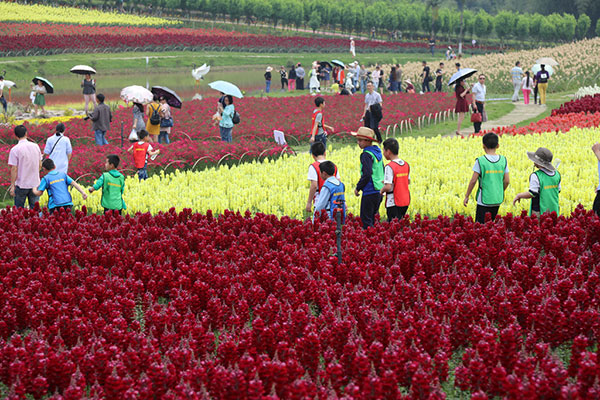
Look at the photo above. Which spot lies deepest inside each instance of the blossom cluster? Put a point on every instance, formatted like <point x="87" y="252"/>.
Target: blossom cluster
<point x="440" y="169"/>
<point x="587" y="91"/>
<point x="557" y="122"/>
<point x="586" y="104"/>
<point x="184" y="305"/>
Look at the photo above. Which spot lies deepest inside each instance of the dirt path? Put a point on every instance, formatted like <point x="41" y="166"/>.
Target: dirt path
<point x="520" y="113"/>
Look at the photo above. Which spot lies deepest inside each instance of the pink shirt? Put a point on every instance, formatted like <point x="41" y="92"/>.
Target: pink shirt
<point x="26" y="157"/>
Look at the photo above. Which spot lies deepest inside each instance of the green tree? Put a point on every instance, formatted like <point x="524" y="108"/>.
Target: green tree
<point x="583" y="26"/>
<point x="568" y="26"/>
<point x="412" y="21"/>
<point x="522" y="27"/>
<point x="504" y="25"/>
<point x="480" y="26"/>
<point x="315" y="21"/>
<point x="598" y="28"/>
<point x="236" y="9"/>
<point x="276" y="11"/>
<point x="535" y="23"/>
<point x="263" y="10"/>
<point x="547" y="30"/>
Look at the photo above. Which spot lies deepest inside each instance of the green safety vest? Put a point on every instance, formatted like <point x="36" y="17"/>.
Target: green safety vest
<point x="491" y="180"/>
<point x="548" y="192"/>
<point x="378" y="172"/>
<point x="112" y="191"/>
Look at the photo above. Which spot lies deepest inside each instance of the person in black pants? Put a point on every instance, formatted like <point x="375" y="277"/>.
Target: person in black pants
<point x="426" y="75"/>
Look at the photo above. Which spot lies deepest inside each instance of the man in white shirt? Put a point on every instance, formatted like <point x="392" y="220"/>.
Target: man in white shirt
<point x="517" y="79"/>
<point x="479" y="91"/>
<point x="372" y="112"/>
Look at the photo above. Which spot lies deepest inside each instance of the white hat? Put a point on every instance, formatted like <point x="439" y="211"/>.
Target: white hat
<point x="269" y="69"/>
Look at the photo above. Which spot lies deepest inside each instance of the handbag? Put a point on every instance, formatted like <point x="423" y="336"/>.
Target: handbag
<point x="166" y="122"/>
<point x="476" y="117"/>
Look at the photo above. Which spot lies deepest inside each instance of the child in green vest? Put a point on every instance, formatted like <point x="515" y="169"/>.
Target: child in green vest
<point x="371" y="172"/>
<point x="112" y="183"/>
<point x="544" y="184"/>
<point x="491" y="171"/>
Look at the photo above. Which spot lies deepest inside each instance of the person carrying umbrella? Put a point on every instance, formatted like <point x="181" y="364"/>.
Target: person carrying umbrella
<point x="40" y="101"/>
<point x="152" y="124"/>
<point x="89" y="91"/>
<point x="542" y="83"/>
<point x="166" y="120"/>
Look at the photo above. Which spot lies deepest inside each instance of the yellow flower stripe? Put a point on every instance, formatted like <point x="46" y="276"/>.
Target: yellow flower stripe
<point x="440" y="171"/>
<point x="40" y="13"/>
<point x="39" y="121"/>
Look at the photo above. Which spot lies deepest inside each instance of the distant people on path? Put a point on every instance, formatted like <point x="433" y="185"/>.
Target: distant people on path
<point x="138" y="121"/>
<point x="491" y="172"/>
<point x="479" y="91"/>
<point x="399" y="77"/>
<point x="102" y="117"/>
<point x="268" y="78"/>
<point x="544" y="184"/>
<point x="462" y="105"/>
<point x="284" y="80"/>
<point x="89" y="91"/>
<point x="542" y="78"/>
<point x="439" y="76"/>
<point x="166" y="121"/>
<point x="58" y="149"/>
<point x="292" y="79"/>
<point x="352" y="47"/>
<point x="393" y="81"/>
<point x="226" y="119"/>
<point x="432" y="46"/>
<point x="313" y="82"/>
<point x="300" y="74"/>
<point x="375" y="77"/>
<point x="363" y="78"/>
<point x="2" y="99"/>
<point x="57" y="184"/>
<point x="448" y="52"/>
<point x="25" y="161"/>
<point x="373" y="111"/>
<point x="426" y="75"/>
<point x="517" y="80"/>
<point x="40" y="99"/>
<point x="371" y="175"/>
<point x="326" y="75"/>
<point x="527" y="87"/>
<point x="153" y="122"/>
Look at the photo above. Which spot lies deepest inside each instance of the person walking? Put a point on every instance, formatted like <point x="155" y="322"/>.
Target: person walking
<point x="284" y="80"/>
<point x="439" y="76"/>
<point x="138" y="121"/>
<point x="226" y="122"/>
<point x="542" y="82"/>
<point x="393" y="81"/>
<point x="89" y="91"/>
<point x="373" y="112"/>
<point x="268" y="79"/>
<point x="166" y="121"/>
<point x="363" y="78"/>
<point x="25" y="162"/>
<point x="313" y="82"/>
<point x="375" y="77"/>
<point x="2" y="99"/>
<point x="479" y="91"/>
<point x="153" y="122"/>
<point x="352" y="47"/>
<point x="432" y="46"/>
<point x="39" y="100"/>
<point x="517" y="80"/>
<point x="300" y="74"/>
<point x="58" y="149"/>
<point x="527" y="86"/>
<point x="292" y="79"/>
<point x="102" y="117"/>
<point x="399" y="77"/>
<point x="462" y="106"/>
<point x="426" y="75"/>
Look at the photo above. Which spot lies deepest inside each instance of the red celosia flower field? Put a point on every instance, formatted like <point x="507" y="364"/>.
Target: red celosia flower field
<point x="195" y="138"/>
<point x="28" y="36"/>
<point x="196" y="306"/>
<point x="586" y="104"/>
<point x="557" y="122"/>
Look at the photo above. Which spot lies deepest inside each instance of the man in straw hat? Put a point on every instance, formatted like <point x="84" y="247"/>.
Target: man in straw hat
<point x="371" y="175"/>
<point x="268" y="79"/>
<point x="544" y="184"/>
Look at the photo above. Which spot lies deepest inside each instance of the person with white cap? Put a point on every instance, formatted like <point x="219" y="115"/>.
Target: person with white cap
<point x="544" y="184"/>
<point x="268" y="79"/>
<point x="313" y="82"/>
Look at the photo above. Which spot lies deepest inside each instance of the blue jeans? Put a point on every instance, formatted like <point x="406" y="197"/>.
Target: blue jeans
<point x="99" y="137"/>
<point x="363" y="85"/>
<point x="22" y="194"/>
<point x="268" y="86"/>
<point x="225" y="134"/>
<point x="164" y="137"/>
<point x="322" y="139"/>
<point x="143" y="172"/>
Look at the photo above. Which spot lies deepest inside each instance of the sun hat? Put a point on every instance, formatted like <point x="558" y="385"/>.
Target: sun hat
<point x="269" y="69"/>
<point x="542" y="157"/>
<point x="365" y="133"/>
<point x="408" y="81"/>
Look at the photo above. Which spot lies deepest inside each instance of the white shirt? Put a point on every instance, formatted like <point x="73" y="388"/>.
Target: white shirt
<point x="524" y="83"/>
<point x="312" y="176"/>
<point x="1" y="86"/>
<point x="376" y="74"/>
<point x="534" y="182"/>
<point x="372" y="98"/>
<point x="388" y="177"/>
<point x="476" y="168"/>
<point x="479" y="91"/>
<point x="60" y="146"/>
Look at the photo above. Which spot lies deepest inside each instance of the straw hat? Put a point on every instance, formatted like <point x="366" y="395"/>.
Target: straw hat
<point x="365" y="133"/>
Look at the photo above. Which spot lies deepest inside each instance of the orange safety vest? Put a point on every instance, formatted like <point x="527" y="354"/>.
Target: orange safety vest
<point x="341" y="76"/>
<point x="314" y="121"/>
<point x="320" y="180"/>
<point x="401" y="193"/>
<point x="139" y="154"/>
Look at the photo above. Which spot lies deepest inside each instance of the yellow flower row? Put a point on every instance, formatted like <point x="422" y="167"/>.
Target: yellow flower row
<point x="440" y="171"/>
<point x="40" y="13"/>
<point x="39" y="121"/>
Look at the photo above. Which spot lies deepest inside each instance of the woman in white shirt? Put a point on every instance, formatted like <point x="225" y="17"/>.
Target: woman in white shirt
<point x="527" y="86"/>
<point x="479" y="90"/>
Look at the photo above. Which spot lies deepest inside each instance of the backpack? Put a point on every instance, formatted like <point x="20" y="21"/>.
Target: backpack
<point x="155" y="117"/>
<point x="236" y="118"/>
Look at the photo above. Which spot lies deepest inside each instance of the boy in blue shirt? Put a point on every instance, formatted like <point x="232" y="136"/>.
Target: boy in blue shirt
<point x="57" y="183"/>
<point x="331" y="195"/>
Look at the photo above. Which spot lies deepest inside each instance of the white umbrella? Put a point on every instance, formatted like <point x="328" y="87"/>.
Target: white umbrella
<point x="547" y="61"/>
<point x="136" y="94"/>
<point x="227" y="88"/>
<point x="463" y="73"/>
<point x="199" y="72"/>
<point x="83" y="70"/>
<point x="9" y="84"/>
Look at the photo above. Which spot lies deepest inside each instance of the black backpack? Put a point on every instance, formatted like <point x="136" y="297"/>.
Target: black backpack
<point x="155" y="117"/>
<point x="236" y="118"/>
